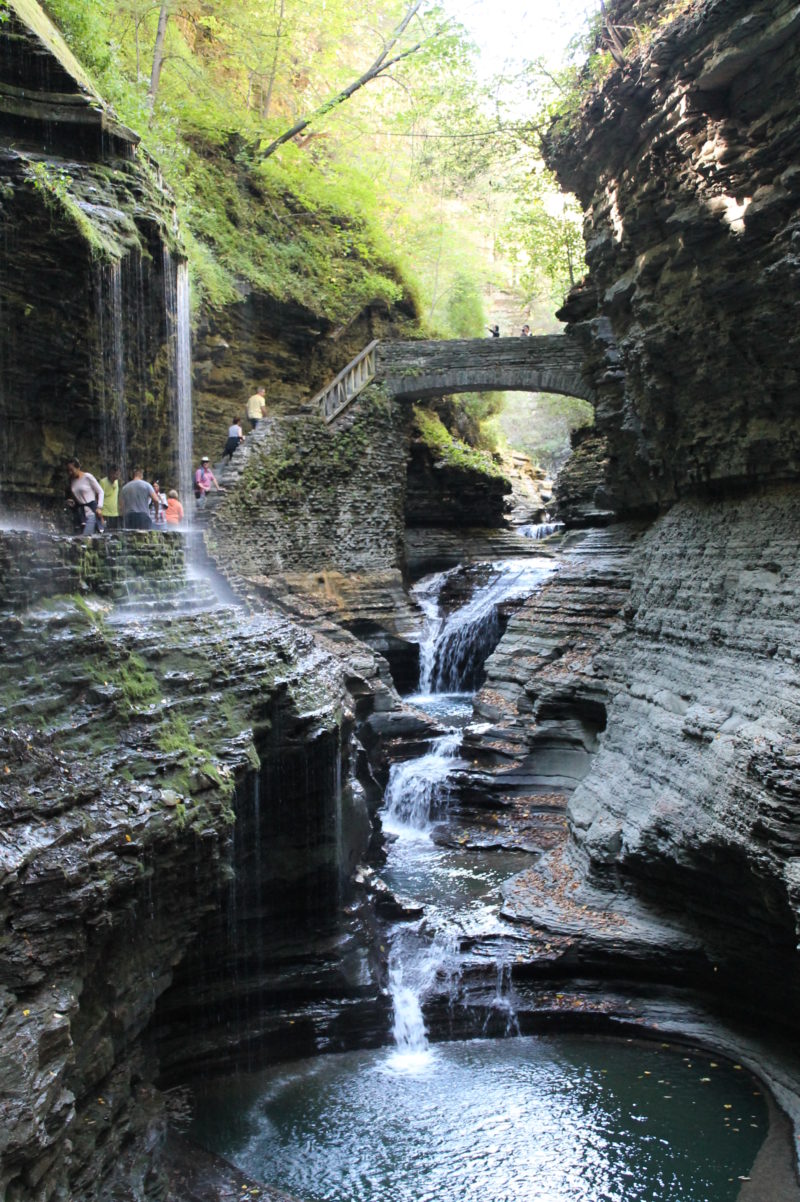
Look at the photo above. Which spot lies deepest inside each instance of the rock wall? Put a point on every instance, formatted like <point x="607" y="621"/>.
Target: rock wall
<point x="127" y="755"/>
<point x="686" y="162"/>
<point x="692" y="796"/>
<point x="303" y="496"/>
<point x="122" y="567"/>
<point x="85" y="276"/>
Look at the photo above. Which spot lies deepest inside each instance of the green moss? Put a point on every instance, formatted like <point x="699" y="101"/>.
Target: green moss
<point x="175" y="737"/>
<point x="139" y="686"/>
<point x="54" y="185"/>
<point x="449" y="450"/>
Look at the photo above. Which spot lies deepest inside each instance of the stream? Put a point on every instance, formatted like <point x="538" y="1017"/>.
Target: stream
<point x="520" y="1119"/>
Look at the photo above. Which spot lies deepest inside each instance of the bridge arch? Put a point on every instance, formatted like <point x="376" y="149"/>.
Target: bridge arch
<point x="420" y="370"/>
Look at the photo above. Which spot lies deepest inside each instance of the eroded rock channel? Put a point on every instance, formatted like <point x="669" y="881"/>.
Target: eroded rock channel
<point x="354" y="786"/>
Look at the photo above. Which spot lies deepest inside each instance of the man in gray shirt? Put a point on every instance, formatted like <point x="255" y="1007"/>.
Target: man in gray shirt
<point x="134" y="502"/>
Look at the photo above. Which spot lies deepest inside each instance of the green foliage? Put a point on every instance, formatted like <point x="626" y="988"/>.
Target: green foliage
<point x="54" y="185"/>
<point x="449" y="450"/>
<point x="540" y="425"/>
<point x="307" y="225"/>
<point x="466" y="314"/>
<point x="175" y="738"/>
<point x="543" y="234"/>
<point x="86" y="28"/>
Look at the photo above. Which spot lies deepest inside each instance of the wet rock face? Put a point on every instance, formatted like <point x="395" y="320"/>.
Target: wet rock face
<point x="686" y="161"/>
<point x="83" y="277"/>
<point x="692" y="793"/>
<point x="121" y="745"/>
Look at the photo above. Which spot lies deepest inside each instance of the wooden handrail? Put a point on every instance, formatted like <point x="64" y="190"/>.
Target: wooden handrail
<point x="345" y="387"/>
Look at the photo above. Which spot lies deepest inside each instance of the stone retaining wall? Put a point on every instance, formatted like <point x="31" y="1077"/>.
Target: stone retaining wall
<point x="310" y="498"/>
<point x="117" y="567"/>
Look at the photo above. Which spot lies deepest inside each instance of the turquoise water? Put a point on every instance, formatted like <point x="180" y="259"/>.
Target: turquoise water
<point x="561" y="1119"/>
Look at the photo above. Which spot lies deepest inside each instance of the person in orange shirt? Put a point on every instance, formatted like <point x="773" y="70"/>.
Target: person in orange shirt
<point x="174" y="511"/>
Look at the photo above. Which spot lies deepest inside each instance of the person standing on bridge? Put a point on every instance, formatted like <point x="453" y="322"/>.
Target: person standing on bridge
<point x="525" y="332"/>
<point x="256" y="408"/>
<point x="494" y="331"/>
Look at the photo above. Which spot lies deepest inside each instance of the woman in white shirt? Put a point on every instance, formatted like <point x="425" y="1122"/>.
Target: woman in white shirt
<point x="235" y="436"/>
<point x="87" y="497"/>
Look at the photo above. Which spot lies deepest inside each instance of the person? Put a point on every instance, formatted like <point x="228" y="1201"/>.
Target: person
<point x="158" y="507"/>
<point x="494" y="331"/>
<point x="110" y="487"/>
<point x="204" y="481"/>
<point x="235" y="436"/>
<point x="174" y="510"/>
<point x="256" y="408"/>
<point x="135" y="501"/>
<point x="525" y="332"/>
<point x="86" y="496"/>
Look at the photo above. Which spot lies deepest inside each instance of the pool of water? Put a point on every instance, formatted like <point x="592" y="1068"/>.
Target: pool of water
<point x="451" y="709"/>
<point x="455" y="886"/>
<point x="566" y="1119"/>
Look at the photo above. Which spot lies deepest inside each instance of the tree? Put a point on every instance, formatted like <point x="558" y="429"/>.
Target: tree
<point x="381" y="66"/>
<point x="158" y="51"/>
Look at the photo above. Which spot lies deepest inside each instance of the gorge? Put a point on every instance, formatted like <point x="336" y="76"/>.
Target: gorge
<point x="358" y="769"/>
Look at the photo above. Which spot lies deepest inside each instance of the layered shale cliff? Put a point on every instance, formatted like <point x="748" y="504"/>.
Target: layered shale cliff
<point x="163" y="780"/>
<point x="685" y="159"/>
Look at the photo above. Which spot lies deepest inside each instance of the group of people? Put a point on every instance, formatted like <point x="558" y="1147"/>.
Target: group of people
<point x="494" y="331"/>
<point x="100" y="505"/>
<point x="256" y="409"/>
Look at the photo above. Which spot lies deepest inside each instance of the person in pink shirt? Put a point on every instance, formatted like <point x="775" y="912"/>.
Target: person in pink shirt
<point x="205" y="481"/>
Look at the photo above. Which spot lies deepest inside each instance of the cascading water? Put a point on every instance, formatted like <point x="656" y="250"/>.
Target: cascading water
<point x="416" y="963"/>
<point x="452" y="654"/>
<point x="455" y="645"/>
<point x="109" y="300"/>
<point x="177" y="300"/>
<point x="183" y="386"/>
<point x="418" y="787"/>
<point x="540" y="530"/>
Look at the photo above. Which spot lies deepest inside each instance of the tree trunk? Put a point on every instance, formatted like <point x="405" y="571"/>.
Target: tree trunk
<point x="158" y="52"/>
<point x="379" y="67"/>
<point x="267" y="100"/>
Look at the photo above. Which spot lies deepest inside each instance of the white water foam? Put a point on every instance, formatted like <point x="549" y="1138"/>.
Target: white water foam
<point x="455" y="645"/>
<point x="417" y="787"/>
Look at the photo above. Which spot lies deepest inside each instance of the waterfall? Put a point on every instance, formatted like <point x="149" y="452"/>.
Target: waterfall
<point x="417" y="787"/>
<point x="417" y="962"/>
<point x="110" y="316"/>
<point x="179" y="333"/>
<point x="183" y="387"/>
<point x="503" y="1003"/>
<point x="455" y="645"/>
<point x="415" y="791"/>
<point x="541" y="530"/>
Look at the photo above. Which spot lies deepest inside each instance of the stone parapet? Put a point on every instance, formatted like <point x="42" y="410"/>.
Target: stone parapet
<point x="546" y="363"/>
<point x="118" y="567"/>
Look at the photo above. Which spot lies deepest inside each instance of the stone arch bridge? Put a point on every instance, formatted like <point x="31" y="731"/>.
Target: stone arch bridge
<point x="418" y="370"/>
